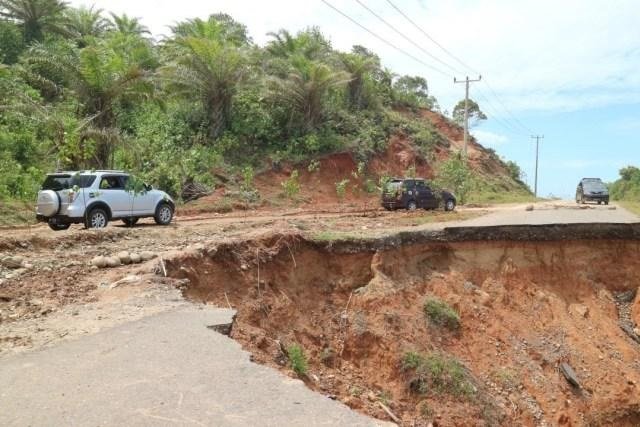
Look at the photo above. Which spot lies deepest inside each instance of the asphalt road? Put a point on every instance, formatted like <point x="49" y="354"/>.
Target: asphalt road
<point x="561" y="212"/>
<point x="167" y="369"/>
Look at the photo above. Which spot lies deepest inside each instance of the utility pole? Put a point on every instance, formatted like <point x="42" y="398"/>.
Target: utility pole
<point x="466" y="81"/>
<point x="535" y="185"/>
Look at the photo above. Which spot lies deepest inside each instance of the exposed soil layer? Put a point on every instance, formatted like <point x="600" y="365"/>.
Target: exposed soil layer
<point x="527" y="303"/>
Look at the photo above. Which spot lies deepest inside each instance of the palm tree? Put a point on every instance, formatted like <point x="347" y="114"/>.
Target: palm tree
<point x="127" y="25"/>
<point x="360" y="67"/>
<point x="100" y="76"/>
<point x="87" y="22"/>
<point x="36" y="17"/>
<point x="305" y="91"/>
<point x="207" y="62"/>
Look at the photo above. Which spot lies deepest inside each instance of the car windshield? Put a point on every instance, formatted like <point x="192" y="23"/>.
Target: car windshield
<point x="66" y="181"/>
<point x="594" y="185"/>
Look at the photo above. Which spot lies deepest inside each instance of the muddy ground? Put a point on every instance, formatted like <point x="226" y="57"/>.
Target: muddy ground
<point x="350" y="290"/>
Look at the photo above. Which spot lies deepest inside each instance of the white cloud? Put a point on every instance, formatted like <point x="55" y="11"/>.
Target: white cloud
<point x="489" y="139"/>
<point x="537" y="55"/>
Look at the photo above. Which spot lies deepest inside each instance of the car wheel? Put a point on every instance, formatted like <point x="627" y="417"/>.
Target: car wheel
<point x="59" y="227"/>
<point x="130" y="222"/>
<point x="164" y="214"/>
<point x="97" y="218"/>
<point x="412" y="205"/>
<point x="449" y="205"/>
<point x="599" y="202"/>
<point x="606" y="202"/>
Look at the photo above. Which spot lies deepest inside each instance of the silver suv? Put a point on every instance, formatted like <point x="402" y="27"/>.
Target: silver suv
<point x="93" y="198"/>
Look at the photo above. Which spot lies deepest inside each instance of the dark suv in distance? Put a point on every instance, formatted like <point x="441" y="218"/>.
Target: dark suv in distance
<point x="413" y="193"/>
<point x="592" y="189"/>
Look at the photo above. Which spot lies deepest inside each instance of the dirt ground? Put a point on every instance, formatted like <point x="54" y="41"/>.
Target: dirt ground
<point x="357" y="311"/>
<point x="47" y="299"/>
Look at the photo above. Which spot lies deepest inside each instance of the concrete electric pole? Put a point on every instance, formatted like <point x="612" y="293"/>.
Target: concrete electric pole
<point x="466" y="81"/>
<point x="535" y="185"/>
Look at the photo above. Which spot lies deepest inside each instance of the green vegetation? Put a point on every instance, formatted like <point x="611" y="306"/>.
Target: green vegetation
<point x="440" y="313"/>
<point x="291" y="186"/>
<point x="81" y="88"/>
<point x="435" y="373"/>
<point x="341" y="188"/>
<point x="297" y="359"/>
<point x="627" y="187"/>
<point x="475" y="114"/>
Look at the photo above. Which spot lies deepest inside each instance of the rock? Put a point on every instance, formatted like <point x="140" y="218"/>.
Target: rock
<point x="99" y="262"/>
<point x="13" y="261"/>
<point x="529" y="208"/>
<point x="612" y="208"/>
<point x="113" y="261"/>
<point x="579" y="310"/>
<point x="27" y="266"/>
<point x="147" y="255"/>
<point x="569" y="375"/>
<point x="199" y="247"/>
<point x="483" y="297"/>
<point x="636" y="331"/>
<point x="124" y="257"/>
<point x="135" y="258"/>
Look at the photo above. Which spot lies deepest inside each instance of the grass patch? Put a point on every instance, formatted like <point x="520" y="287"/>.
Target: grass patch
<point x="633" y="207"/>
<point x="436" y="374"/>
<point x="297" y="359"/>
<point x="14" y="213"/>
<point x="487" y="196"/>
<point x="441" y="314"/>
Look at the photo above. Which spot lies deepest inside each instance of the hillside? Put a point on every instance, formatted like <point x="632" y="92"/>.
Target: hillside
<point x="402" y="154"/>
<point x="206" y="110"/>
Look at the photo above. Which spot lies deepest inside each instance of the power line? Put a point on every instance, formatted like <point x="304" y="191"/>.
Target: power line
<point x="468" y="67"/>
<point x="513" y="116"/>
<point x="431" y="38"/>
<point x="407" y="38"/>
<point x="384" y="40"/>
<point x="494" y="113"/>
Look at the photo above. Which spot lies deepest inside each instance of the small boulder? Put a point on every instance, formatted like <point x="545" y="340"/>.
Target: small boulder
<point x="579" y="310"/>
<point x="99" y="261"/>
<point x="483" y="297"/>
<point x="113" y="261"/>
<point x="124" y="257"/>
<point x="13" y="261"/>
<point x="135" y="258"/>
<point x="529" y="208"/>
<point x="147" y="255"/>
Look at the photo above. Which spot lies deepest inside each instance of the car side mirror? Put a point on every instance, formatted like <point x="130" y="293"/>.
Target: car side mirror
<point x="148" y="187"/>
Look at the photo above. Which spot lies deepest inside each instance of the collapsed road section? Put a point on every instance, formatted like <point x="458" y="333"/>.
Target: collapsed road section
<point x="512" y="325"/>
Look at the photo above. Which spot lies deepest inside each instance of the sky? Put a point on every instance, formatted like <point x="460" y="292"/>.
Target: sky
<point x="566" y="69"/>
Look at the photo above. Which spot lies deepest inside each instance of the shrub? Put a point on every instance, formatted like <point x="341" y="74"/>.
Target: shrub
<point x="341" y="188"/>
<point x="297" y="359"/>
<point x="291" y="187"/>
<point x="441" y="313"/>
<point x="436" y="373"/>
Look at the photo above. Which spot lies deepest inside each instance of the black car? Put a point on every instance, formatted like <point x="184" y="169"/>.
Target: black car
<point x="592" y="189"/>
<point x="413" y="193"/>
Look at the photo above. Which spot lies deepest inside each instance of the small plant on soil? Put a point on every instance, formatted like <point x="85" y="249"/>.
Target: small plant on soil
<point x="297" y="359"/>
<point x="291" y="186"/>
<point x="314" y="166"/>
<point x="440" y="313"/>
<point x="425" y="410"/>
<point x="436" y="373"/>
<point x="341" y="188"/>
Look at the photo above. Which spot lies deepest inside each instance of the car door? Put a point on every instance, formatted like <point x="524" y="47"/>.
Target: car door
<point x="143" y="202"/>
<point x="113" y="192"/>
<point x="426" y="198"/>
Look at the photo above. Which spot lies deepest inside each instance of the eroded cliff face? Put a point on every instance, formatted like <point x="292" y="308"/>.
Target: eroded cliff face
<point x="357" y="309"/>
